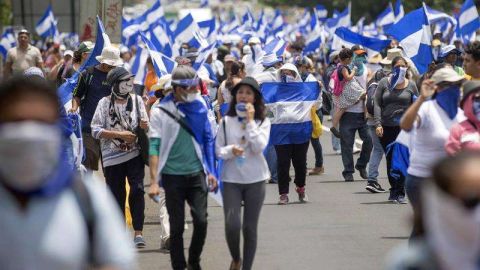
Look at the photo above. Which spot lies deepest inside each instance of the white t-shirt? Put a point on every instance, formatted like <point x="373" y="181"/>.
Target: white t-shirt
<point x="51" y="233"/>
<point x="428" y="144"/>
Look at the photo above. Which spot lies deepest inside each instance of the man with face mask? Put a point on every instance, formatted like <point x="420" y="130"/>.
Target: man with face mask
<point x="182" y="157"/>
<point x="114" y="123"/>
<point x="431" y="116"/>
<point x="93" y="86"/>
<point x="252" y="60"/>
<point x="42" y="200"/>
<point x="449" y="223"/>
<point x="466" y="135"/>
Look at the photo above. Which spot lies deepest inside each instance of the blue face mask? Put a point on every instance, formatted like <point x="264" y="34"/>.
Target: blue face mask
<point x="398" y="76"/>
<point x="448" y="100"/>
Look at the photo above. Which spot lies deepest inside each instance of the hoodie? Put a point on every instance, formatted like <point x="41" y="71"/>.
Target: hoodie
<point x="465" y="135"/>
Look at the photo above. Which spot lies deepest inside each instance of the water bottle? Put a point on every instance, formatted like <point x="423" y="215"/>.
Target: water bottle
<point x="240" y="160"/>
<point x="156" y="198"/>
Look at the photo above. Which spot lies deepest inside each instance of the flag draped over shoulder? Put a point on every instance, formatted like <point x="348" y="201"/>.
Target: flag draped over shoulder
<point x="289" y="106"/>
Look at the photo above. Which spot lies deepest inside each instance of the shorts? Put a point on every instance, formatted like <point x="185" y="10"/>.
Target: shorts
<point x="92" y="151"/>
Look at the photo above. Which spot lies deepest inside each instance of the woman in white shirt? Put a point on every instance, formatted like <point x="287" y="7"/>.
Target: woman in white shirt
<point x="242" y="137"/>
<point x="431" y="116"/>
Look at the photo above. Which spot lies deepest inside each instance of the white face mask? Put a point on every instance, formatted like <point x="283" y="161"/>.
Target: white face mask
<point x="453" y="231"/>
<point x="30" y="153"/>
<point x="125" y="87"/>
<point x="190" y="97"/>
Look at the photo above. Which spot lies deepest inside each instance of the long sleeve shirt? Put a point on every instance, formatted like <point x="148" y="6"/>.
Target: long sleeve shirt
<point x="253" y="138"/>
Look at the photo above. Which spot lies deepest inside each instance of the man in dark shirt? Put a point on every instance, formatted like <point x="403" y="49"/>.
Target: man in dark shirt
<point x="92" y="86"/>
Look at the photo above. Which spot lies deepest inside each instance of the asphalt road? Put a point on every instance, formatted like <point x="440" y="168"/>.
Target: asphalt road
<point x="342" y="227"/>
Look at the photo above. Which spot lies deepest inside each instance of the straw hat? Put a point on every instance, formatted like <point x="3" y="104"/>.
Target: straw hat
<point x="376" y="59"/>
<point x="392" y="53"/>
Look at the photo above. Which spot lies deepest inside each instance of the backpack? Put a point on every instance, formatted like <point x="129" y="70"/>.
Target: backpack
<point x="335" y="83"/>
<point x="371" y="89"/>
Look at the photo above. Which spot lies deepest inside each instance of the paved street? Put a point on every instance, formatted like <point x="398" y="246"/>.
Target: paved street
<point x="342" y="227"/>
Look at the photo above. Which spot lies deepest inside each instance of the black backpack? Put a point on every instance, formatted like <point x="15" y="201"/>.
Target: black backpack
<point x="372" y="88"/>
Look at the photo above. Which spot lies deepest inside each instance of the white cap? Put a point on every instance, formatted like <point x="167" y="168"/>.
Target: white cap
<point x="247" y="50"/>
<point x="254" y="40"/>
<point x="34" y="71"/>
<point x="68" y="52"/>
<point x="110" y="56"/>
<point x="446" y="74"/>
<point x="444" y="51"/>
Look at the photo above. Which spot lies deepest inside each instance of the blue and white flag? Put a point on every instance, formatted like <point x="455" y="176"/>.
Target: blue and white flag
<point x="139" y="65"/>
<point x="188" y="31"/>
<point x="435" y="16"/>
<point x="161" y="38"/>
<point x="203" y="55"/>
<point x="131" y="28"/>
<point x="262" y="27"/>
<point x="345" y="37"/>
<point x="276" y="46"/>
<point x="342" y="19"/>
<point x="468" y="20"/>
<point x="204" y="3"/>
<point x="163" y="65"/>
<point x="414" y="34"/>
<point x="277" y="23"/>
<point x="66" y="89"/>
<point x="322" y="12"/>
<point x="386" y="18"/>
<point x="47" y="25"/>
<point x="7" y="42"/>
<point x="398" y="11"/>
<point x="288" y="107"/>
<point x="248" y="20"/>
<point x="209" y="29"/>
<point x="314" y="38"/>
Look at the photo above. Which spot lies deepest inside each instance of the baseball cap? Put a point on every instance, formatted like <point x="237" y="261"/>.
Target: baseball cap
<point x="446" y="74"/>
<point x="85" y="46"/>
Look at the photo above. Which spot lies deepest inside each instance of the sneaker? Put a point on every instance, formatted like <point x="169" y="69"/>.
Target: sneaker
<point x="374" y="187"/>
<point x="401" y="200"/>
<point x="165" y="244"/>
<point x="271" y="181"/>
<point x="283" y="199"/>
<point x="337" y="152"/>
<point x="356" y="150"/>
<point x="392" y="198"/>
<point x="302" y="196"/>
<point x="363" y="172"/>
<point x="139" y="242"/>
<point x="335" y="132"/>
<point x="317" y="171"/>
<point x="348" y="178"/>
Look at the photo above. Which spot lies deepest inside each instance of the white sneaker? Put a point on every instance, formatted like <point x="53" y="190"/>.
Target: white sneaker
<point x="338" y="152"/>
<point x="356" y="150"/>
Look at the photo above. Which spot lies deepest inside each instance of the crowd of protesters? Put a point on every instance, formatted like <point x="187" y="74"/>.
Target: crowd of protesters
<point x="193" y="119"/>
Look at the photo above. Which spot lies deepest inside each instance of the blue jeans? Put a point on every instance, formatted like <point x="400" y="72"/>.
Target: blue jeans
<point x="375" y="157"/>
<point x="335" y="140"/>
<point x="413" y="186"/>
<point x="271" y="157"/>
<point x="349" y="125"/>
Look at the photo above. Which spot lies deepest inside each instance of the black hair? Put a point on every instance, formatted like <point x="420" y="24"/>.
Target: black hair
<point x="259" y="105"/>
<point x="20" y="86"/>
<point x="149" y="60"/>
<point x="345" y="53"/>
<point x="77" y="56"/>
<point x="235" y="69"/>
<point x="474" y="50"/>
<point x="396" y="59"/>
<point x="297" y="46"/>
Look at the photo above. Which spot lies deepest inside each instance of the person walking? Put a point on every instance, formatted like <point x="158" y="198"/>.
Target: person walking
<point x="22" y="57"/>
<point x="52" y="217"/>
<point x="393" y="96"/>
<point x="92" y="86"/>
<point x="181" y="157"/>
<point x="466" y="134"/>
<point x="430" y="117"/>
<point x="243" y="135"/>
<point x="114" y="124"/>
